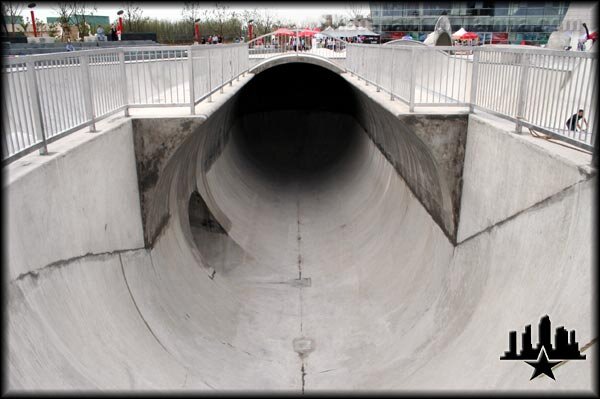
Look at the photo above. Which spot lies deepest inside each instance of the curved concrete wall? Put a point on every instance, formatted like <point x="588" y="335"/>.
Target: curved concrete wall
<point x="346" y="281"/>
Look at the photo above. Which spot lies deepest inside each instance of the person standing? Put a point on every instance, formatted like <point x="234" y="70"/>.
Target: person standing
<point x="100" y="34"/>
<point x="113" y="33"/>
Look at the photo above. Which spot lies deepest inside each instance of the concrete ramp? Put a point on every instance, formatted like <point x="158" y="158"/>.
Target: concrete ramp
<point x="273" y="243"/>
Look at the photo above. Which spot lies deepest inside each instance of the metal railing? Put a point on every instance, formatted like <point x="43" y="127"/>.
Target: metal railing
<point x="48" y="96"/>
<point x="536" y="88"/>
<point x="272" y="44"/>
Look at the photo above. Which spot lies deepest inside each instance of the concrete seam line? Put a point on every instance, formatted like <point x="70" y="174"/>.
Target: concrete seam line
<point x="65" y="262"/>
<point x="548" y="200"/>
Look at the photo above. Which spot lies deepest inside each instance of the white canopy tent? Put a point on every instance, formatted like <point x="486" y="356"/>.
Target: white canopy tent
<point x="459" y="33"/>
<point x="348" y="31"/>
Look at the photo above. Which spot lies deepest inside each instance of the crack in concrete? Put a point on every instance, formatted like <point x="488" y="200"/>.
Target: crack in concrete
<point x="303" y="376"/>
<point x="546" y="201"/>
<point x="299" y="239"/>
<point x="64" y="262"/>
<point x="138" y="309"/>
<point x="326" y="371"/>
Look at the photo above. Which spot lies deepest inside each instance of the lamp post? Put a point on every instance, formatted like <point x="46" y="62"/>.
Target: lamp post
<point x="120" y="24"/>
<point x="250" y="27"/>
<point x="197" y="30"/>
<point x="32" y="5"/>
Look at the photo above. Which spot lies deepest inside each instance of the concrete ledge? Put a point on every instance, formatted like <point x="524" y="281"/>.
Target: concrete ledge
<point x="80" y="199"/>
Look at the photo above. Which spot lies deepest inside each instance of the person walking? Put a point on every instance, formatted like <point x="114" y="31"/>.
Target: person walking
<point x="573" y="122"/>
<point x="113" y="33"/>
<point x="70" y="45"/>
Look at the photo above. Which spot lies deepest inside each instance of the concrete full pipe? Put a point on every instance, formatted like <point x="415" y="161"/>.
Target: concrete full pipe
<point x="302" y="237"/>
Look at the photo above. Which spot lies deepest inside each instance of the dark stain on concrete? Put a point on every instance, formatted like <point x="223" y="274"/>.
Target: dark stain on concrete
<point x="427" y="151"/>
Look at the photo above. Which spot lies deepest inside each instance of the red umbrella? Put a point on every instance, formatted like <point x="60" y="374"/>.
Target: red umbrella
<point x="469" y="36"/>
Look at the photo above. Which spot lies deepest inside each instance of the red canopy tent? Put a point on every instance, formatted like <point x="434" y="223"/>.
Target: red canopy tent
<point x="469" y="36"/>
<point x="307" y="33"/>
<point x="284" y="32"/>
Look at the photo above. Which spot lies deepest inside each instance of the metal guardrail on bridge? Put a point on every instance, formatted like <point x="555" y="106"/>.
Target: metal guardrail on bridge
<point x="536" y="88"/>
<point x="293" y="41"/>
<point x="48" y="96"/>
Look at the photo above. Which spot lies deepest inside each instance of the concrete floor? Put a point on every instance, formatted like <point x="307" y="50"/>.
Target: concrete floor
<point x="327" y="278"/>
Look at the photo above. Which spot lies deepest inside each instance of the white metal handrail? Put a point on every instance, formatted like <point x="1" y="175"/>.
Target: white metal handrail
<point x="535" y="88"/>
<point x="47" y="96"/>
<point x="273" y="44"/>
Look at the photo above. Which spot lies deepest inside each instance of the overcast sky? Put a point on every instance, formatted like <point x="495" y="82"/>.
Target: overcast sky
<point x="292" y="12"/>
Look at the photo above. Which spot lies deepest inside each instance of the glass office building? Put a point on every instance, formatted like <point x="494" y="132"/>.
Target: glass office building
<point x="502" y="22"/>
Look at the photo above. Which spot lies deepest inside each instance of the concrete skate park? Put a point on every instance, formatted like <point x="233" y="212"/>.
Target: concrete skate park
<point x="295" y="228"/>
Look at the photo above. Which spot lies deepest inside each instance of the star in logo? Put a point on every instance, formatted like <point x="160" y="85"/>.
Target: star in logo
<point x="542" y="365"/>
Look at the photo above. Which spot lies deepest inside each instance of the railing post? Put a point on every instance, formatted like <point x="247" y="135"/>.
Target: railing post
<point x="413" y="76"/>
<point x="364" y="69"/>
<point x="349" y="65"/>
<point x="191" y="68"/>
<point x="392" y="75"/>
<point x="230" y="67"/>
<point x="379" y="62"/>
<point x="124" y="81"/>
<point x="239" y="59"/>
<point x="522" y="99"/>
<point x="474" y="78"/>
<point x="88" y="101"/>
<point x="209" y="75"/>
<point x="222" y="77"/>
<point x="33" y="93"/>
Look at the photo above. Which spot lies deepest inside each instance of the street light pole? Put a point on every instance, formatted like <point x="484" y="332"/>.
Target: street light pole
<point x="250" y="27"/>
<point x="32" y="5"/>
<point x="197" y="30"/>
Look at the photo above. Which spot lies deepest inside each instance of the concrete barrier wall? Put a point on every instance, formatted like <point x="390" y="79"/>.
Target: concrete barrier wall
<point x="503" y="174"/>
<point x="81" y="199"/>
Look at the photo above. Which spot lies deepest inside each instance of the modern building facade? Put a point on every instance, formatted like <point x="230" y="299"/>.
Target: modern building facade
<point x="506" y="22"/>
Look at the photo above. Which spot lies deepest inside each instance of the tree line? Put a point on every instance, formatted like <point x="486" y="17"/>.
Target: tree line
<point x="217" y="19"/>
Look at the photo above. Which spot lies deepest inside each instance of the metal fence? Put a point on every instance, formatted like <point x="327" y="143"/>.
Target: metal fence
<point x="48" y="96"/>
<point x="273" y="44"/>
<point x="536" y="88"/>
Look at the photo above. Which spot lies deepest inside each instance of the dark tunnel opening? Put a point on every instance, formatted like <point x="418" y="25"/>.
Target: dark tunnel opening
<point x="293" y="129"/>
<point x="296" y="119"/>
